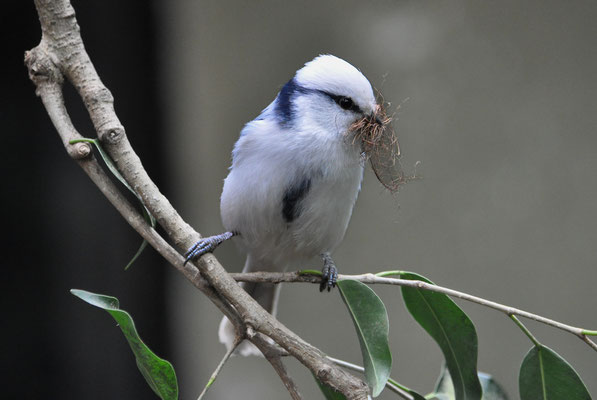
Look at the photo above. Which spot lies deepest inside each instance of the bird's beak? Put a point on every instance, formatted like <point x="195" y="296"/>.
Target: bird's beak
<point x="377" y="120"/>
<point x="374" y="117"/>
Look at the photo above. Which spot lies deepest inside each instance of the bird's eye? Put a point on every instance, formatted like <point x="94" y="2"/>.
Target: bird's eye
<point x="346" y="103"/>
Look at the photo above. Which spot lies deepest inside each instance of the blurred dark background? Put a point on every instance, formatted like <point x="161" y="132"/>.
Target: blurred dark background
<point x="62" y="233"/>
<point x="497" y="101"/>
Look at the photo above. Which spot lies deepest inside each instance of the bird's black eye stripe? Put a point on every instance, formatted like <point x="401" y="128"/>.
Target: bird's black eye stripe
<point x="346" y="103"/>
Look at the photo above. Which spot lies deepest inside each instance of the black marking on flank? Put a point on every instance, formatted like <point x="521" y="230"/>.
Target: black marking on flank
<point x="291" y="207"/>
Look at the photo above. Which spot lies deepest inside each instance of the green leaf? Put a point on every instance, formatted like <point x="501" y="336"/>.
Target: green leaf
<point x="416" y="396"/>
<point x="371" y="322"/>
<point x="137" y="254"/>
<point x="110" y="164"/>
<point x="546" y="375"/>
<point x="453" y="331"/>
<point x="328" y="392"/>
<point x="444" y="388"/>
<point x="158" y="373"/>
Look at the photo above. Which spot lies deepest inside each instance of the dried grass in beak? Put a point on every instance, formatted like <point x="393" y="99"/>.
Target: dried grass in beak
<point x="380" y="146"/>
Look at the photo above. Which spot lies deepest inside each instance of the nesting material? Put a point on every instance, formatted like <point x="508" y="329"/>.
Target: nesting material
<point x="380" y="146"/>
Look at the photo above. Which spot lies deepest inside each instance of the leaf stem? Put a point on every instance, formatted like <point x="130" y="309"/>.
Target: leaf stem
<point x="309" y="272"/>
<point x="525" y="330"/>
<point x="82" y="140"/>
<point x="398" y="385"/>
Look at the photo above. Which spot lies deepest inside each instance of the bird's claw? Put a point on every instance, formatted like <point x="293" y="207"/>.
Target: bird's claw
<point x="205" y="245"/>
<point x="329" y="274"/>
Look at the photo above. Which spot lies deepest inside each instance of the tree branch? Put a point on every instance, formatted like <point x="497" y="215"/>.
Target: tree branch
<point x="274" y="356"/>
<point x="382" y="278"/>
<point x="60" y="54"/>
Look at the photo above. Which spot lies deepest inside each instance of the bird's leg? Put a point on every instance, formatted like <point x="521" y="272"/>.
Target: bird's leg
<point x="206" y="245"/>
<point x="329" y="273"/>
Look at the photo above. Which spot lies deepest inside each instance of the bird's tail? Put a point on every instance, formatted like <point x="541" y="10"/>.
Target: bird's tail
<point x="266" y="295"/>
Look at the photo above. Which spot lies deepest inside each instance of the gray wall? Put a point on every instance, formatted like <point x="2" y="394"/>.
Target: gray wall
<point x="498" y="103"/>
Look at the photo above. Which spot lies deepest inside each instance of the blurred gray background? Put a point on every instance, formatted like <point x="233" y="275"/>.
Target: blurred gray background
<point x="498" y="103"/>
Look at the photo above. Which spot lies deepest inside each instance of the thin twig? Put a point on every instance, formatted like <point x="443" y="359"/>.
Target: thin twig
<point x="214" y="375"/>
<point x="278" y="365"/>
<point x="382" y="278"/>
<point x="588" y="341"/>
<point x="274" y="357"/>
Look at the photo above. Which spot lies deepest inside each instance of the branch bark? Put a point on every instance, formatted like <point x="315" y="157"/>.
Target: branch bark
<point x="61" y="54"/>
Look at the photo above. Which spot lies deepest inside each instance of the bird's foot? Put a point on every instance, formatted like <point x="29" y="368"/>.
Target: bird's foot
<point x="329" y="273"/>
<point x="206" y="245"/>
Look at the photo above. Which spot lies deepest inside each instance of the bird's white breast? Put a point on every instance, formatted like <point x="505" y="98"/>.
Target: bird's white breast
<point x="267" y="160"/>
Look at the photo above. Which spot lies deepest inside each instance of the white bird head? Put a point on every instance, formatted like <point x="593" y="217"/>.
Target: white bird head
<point x="327" y="95"/>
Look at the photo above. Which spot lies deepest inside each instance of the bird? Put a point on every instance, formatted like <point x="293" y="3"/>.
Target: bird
<point x="295" y="177"/>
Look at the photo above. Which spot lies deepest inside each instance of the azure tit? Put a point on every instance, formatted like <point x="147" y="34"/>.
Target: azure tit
<point x="295" y="176"/>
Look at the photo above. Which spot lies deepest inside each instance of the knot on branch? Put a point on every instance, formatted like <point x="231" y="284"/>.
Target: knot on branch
<point x="323" y="374"/>
<point x="79" y="151"/>
<point x="112" y="135"/>
<point x="41" y="67"/>
<point x="250" y="332"/>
